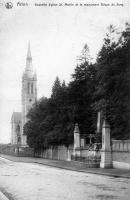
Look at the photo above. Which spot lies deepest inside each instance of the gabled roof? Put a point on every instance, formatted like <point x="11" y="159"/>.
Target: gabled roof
<point x="16" y="117"/>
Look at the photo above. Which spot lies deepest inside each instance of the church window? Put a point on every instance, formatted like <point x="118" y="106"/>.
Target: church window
<point x="32" y="88"/>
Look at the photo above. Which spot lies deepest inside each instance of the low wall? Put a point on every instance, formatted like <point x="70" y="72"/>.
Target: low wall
<point x="121" y="156"/>
<point x="57" y="153"/>
<point x="16" y="151"/>
<point x="7" y="149"/>
<point x="80" y="155"/>
<point x="121" y="153"/>
<point x="121" y="165"/>
<point x="121" y="145"/>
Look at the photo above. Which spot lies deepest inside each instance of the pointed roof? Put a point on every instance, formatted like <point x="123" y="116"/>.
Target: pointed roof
<point x="29" y="68"/>
<point x="29" y="52"/>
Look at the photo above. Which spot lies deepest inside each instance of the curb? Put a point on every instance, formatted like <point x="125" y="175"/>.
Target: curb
<point x="83" y="171"/>
<point x="72" y="169"/>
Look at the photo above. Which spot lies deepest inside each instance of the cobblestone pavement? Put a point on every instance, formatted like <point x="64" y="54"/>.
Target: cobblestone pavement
<point x="30" y="181"/>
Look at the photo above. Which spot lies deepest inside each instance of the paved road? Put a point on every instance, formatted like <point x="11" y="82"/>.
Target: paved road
<point x="29" y="181"/>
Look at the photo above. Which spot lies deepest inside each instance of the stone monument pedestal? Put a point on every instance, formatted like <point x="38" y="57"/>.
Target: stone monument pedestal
<point x="106" y="154"/>
<point x="106" y="159"/>
<point x="76" y="150"/>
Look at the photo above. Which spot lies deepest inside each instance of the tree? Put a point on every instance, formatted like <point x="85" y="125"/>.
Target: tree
<point x="111" y="89"/>
<point x="50" y="121"/>
<point x="56" y="88"/>
<point x="81" y="89"/>
<point x="33" y="128"/>
<point x="85" y="55"/>
<point x="94" y="87"/>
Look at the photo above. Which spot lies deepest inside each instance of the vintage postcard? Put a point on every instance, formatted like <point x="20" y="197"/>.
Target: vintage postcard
<point x="53" y="106"/>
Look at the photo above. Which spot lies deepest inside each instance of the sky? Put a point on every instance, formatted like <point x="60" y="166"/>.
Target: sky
<point x="57" y="35"/>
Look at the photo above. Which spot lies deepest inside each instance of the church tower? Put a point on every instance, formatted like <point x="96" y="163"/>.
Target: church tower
<point x="29" y="92"/>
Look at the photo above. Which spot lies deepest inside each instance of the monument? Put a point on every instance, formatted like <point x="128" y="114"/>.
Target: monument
<point x="106" y="153"/>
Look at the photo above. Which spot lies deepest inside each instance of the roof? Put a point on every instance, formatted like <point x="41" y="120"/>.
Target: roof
<point x="29" y="73"/>
<point x="29" y="52"/>
<point x="16" y="117"/>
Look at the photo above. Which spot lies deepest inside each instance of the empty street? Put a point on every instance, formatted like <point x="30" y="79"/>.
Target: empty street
<point x="25" y="181"/>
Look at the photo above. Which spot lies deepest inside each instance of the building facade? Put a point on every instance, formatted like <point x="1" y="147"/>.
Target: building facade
<point x="28" y="98"/>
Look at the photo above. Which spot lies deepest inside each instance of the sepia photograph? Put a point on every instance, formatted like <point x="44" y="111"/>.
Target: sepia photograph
<point x="65" y="100"/>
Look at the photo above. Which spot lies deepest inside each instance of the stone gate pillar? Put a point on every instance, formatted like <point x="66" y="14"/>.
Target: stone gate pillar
<point x="106" y="154"/>
<point x="76" y="140"/>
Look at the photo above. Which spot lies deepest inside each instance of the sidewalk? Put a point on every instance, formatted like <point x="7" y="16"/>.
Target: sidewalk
<point x="71" y="165"/>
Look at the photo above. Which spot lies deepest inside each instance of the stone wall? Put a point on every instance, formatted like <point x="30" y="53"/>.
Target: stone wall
<point x="15" y="151"/>
<point x="82" y="155"/>
<point x="56" y="153"/>
<point x="121" y="153"/>
<point x="121" y="145"/>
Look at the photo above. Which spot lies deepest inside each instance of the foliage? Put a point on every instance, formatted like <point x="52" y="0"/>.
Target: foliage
<point x="111" y="86"/>
<point x="94" y="87"/>
<point x="81" y="89"/>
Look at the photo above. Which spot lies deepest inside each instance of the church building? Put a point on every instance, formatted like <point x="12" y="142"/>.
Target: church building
<point x="28" y="98"/>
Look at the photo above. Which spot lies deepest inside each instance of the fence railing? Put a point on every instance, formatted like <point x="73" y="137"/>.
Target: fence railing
<point x="90" y="161"/>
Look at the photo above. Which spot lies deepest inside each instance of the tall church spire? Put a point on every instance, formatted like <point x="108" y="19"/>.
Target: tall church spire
<point x="29" y="91"/>
<point x="29" y="60"/>
<point x="29" y="57"/>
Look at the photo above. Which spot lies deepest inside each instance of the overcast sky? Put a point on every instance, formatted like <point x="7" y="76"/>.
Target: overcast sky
<point x="57" y="36"/>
